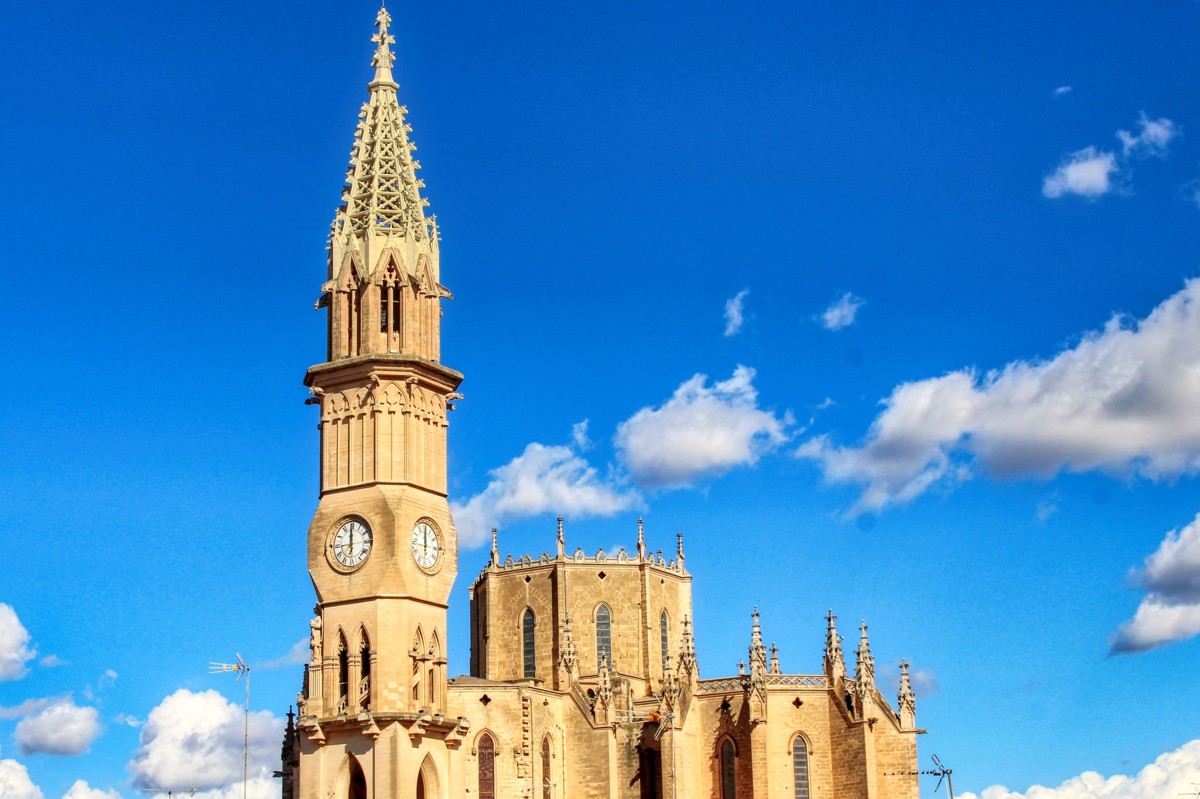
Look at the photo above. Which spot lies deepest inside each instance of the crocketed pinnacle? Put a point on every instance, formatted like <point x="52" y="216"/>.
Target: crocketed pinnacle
<point x="905" y="698"/>
<point x="835" y="664"/>
<point x="382" y="198"/>
<point x="864" y="664"/>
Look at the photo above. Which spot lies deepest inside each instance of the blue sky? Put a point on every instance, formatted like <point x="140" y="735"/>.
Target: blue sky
<point x="886" y="309"/>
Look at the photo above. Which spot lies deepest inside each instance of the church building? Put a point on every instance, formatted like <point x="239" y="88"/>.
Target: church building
<point x="583" y="679"/>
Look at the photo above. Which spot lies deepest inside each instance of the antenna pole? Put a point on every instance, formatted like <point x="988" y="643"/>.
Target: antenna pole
<point x="243" y="670"/>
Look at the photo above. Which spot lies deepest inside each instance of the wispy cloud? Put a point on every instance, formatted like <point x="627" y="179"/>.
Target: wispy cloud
<point x="1087" y="172"/>
<point x="297" y="654"/>
<point x="542" y="479"/>
<point x="15" y="648"/>
<point x="1122" y="400"/>
<point x="1170" y="611"/>
<point x="701" y="431"/>
<point x="734" y="316"/>
<point x="1152" y="138"/>
<point x="1092" y="172"/>
<point x="1061" y="90"/>
<point x="1172" y="774"/>
<point x="842" y="312"/>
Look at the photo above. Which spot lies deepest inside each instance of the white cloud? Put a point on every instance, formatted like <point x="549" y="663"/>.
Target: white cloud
<point x="1086" y="172"/>
<point x="81" y="790"/>
<point x="842" y="312"/>
<point x="52" y="662"/>
<point x="701" y="431"/>
<point x="1152" y="138"/>
<point x="542" y="479"/>
<point x="61" y="728"/>
<point x="195" y="739"/>
<point x="734" y="312"/>
<point x="1061" y="90"/>
<point x="15" y="782"/>
<point x="1170" y="611"/>
<point x="579" y="435"/>
<point x="15" y="650"/>
<point x="1172" y="774"/>
<point x="1122" y="400"/>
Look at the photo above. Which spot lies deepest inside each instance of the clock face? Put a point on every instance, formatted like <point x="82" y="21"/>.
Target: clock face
<point x="426" y="546"/>
<point x="352" y="543"/>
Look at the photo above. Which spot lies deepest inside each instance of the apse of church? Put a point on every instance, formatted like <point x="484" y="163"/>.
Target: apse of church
<point x="584" y="680"/>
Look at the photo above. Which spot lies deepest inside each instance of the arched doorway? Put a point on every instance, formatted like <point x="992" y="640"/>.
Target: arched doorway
<point x="358" y="782"/>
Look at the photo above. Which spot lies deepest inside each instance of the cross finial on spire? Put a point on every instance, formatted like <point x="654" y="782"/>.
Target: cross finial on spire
<point x="384" y="57"/>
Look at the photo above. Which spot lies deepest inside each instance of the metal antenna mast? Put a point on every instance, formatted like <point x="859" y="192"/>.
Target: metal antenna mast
<point x="244" y="671"/>
<point x="170" y="792"/>
<point x="939" y="771"/>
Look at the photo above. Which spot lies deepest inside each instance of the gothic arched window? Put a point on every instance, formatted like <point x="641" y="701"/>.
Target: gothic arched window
<point x="664" y="638"/>
<point x="603" y="635"/>
<point x="487" y="767"/>
<point x="800" y="766"/>
<point x="528" y="623"/>
<point x="343" y="673"/>
<point x="546" y="767"/>
<point x="364" y="681"/>
<point x="728" y="770"/>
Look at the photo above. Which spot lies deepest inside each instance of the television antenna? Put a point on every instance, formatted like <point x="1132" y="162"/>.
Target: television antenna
<point x="942" y="773"/>
<point x="170" y="791"/>
<point x="1195" y="792"/>
<point x="243" y="670"/>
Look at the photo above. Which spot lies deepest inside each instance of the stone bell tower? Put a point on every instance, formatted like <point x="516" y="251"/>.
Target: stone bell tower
<point x="382" y="548"/>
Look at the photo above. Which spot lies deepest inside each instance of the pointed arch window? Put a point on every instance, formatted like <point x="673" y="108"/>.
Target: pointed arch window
<point x="364" y="681"/>
<point x="487" y="767"/>
<point x="728" y="770"/>
<point x="546" y="768"/>
<point x="603" y="635"/>
<point x="528" y="650"/>
<point x="343" y="673"/>
<point x="664" y="637"/>
<point x="800" y="766"/>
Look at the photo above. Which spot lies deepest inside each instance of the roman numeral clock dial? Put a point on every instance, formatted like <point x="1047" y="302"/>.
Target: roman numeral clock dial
<point x="351" y="544"/>
<point x="426" y="546"/>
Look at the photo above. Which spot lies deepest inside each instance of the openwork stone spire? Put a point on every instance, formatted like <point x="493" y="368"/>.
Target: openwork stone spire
<point x="758" y="669"/>
<point x="568" y="659"/>
<point x="774" y="660"/>
<point x="382" y="204"/>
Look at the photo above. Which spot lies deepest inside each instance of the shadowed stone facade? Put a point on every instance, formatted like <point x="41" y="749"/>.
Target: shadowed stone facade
<point x="584" y="680"/>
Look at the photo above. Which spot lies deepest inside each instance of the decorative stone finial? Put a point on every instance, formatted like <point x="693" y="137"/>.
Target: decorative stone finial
<point x="495" y="548"/>
<point x="774" y="660"/>
<point x="641" y="542"/>
<point x="562" y="541"/>
<point x="679" y="548"/>
<point x="384" y="57"/>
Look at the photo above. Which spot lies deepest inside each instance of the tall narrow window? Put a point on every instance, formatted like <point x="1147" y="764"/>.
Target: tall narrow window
<point x="527" y="647"/>
<point x="487" y="767"/>
<point x="603" y="635"/>
<point x="664" y="638"/>
<point x="546" y="767"/>
<point x="343" y="674"/>
<point x="364" y="682"/>
<point x="728" y="770"/>
<point x="800" y="767"/>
